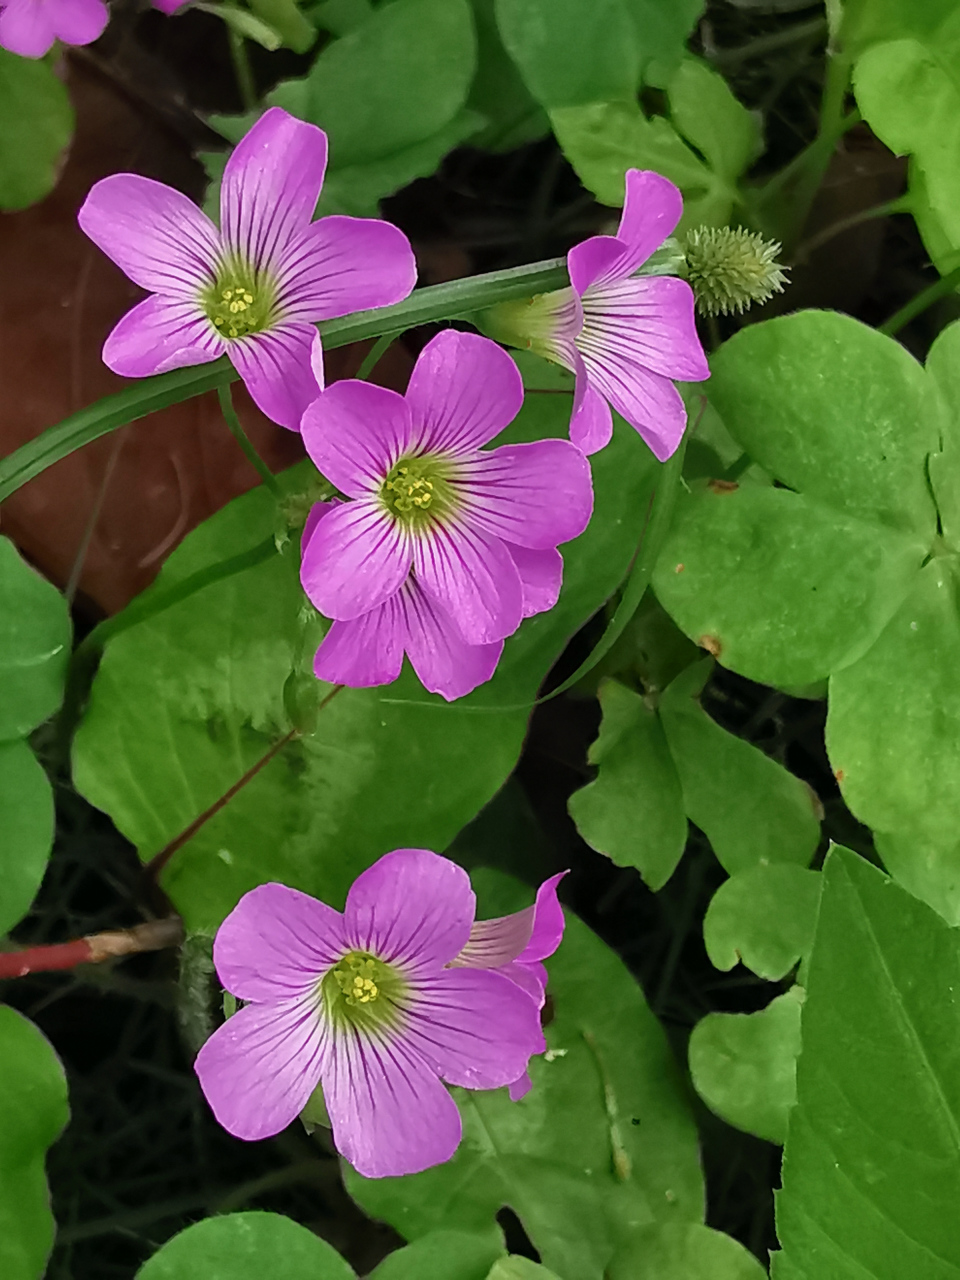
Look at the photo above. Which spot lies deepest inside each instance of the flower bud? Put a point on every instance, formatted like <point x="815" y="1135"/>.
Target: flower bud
<point x="730" y="268"/>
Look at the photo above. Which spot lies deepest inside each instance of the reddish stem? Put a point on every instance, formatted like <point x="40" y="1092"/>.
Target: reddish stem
<point x="154" y="935"/>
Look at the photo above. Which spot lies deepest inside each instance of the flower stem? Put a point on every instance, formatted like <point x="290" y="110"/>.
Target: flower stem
<point x="225" y="396"/>
<point x="372" y="358"/>
<point x="933" y="293"/>
<point x="154" y="935"/>
<point x="242" y="69"/>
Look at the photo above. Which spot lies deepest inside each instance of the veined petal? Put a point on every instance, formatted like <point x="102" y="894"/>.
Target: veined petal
<point x="390" y="1113"/>
<point x="442" y="659"/>
<point x="591" y="423"/>
<point x="496" y="942"/>
<point x="520" y="1088"/>
<point x="650" y="403"/>
<point x="276" y="367"/>
<point x="651" y="211"/>
<point x="412" y="908"/>
<point x="366" y="651"/>
<point x="26" y="28"/>
<point x="259" y="1069"/>
<point x="473" y="579"/>
<point x="159" y="334"/>
<point x="531" y="977"/>
<point x="647" y="320"/>
<point x="475" y="1027"/>
<point x="339" y="264"/>
<point x="548" y="923"/>
<point x="541" y="576"/>
<point x="154" y="234"/>
<point x="594" y="259"/>
<point x="77" y="22"/>
<point x="315" y="515"/>
<point x="463" y="391"/>
<point x="277" y="943"/>
<point x="270" y="187"/>
<point x="357" y="558"/>
<point x="356" y="432"/>
<point x="534" y="495"/>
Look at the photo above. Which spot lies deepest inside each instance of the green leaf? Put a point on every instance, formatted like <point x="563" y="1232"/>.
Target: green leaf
<point x="859" y="23"/>
<point x="836" y="410"/>
<point x="498" y="92"/>
<point x="764" y="917"/>
<point x="516" y="1268"/>
<point x="26" y="820"/>
<point x="750" y="808"/>
<point x="662" y="31"/>
<point x="684" y="1251"/>
<point x="34" y="645"/>
<point x="633" y="812"/>
<point x="893" y="736"/>
<point x="705" y="111"/>
<point x="36" y="123"/>
<point x="444" y="1255"/>
<point x="744" y="1065"/>
<point x="609" y="1079"/>
<point x="33" y="1113"/>
<point x="246" y="1246"/>
<point x="943" y="368"/>
<point x="184" y="703"/>
<point x="871" y="1175"/>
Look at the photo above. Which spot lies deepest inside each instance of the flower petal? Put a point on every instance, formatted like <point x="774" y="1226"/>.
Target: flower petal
<point x="390" y="1114"/>
<point x="594" y="259"/>
<point x="259" y="1069"/>
<point x="158" y="335"/>
<point x="314" y="516"/>
<point x="277" y="370"/>
<point x="357" y="558"/>
<point x="534" y="495"/>
<point x="77" y="22"/>
<point x="411" y="908"/>
<point x="541" y="576"/>
<point x="650" y="403"/>
<point x="531" y="977"/>
<point x="355" y="432"/>
<point x="651" y="210"/>
<point x="276" y="943"/>
<point x="270" y="187"/>
<point x="463" y="391"/>
<point x="646" y="321"/>
<point x="548" y="922"/>
<point x="26" y="28"/>
<point x="591" y="423"/>
<point x="366" y="651"/>
<point x="154" y="234"/>
<point x="341" y="264"/>
<point x="475" y="1027"/>
<point x="520" y="1088"/>
<point x="496" y="942"/>
<point x="443" y="661"/>
<point x="472" y="577"/>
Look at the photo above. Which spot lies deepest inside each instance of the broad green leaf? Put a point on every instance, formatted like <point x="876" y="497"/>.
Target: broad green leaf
<point x="893" y="736"/>
<point x="705" y="111"/>
<point x="633" y="812"/>
<point x="36" y="124"/>
<point x="185" y="703"/>
<point x="608" y="1082"/>
<point x="26" y="823"/>
<point x="744" y="1065"/>
<point x="246" y="1246"/>
<point x="662" y="30"/>
<point x="684" y="1251"/>
<point x="860" y="23"/>
<point x="514" y="117"/>
<point x="33" y="1113"/>
<point x="444" y="1255"/>
<point x="778" y="586"/>
<point x="750" y="808"/>
<point x="871" y="1175"/>
<point x="943" y="367"/>
<point x="34" y="645"/>
<point x="517" y="1268"/>
<point x="764" y="917"/>
<point x="835" y="410"/>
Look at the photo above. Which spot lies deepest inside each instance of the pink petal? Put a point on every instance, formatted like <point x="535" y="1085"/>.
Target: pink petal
<point x="650" y="403"/>
<point x="277" y="370"/>
<point x="520" y="1088"/>
<point x="158" y="335"/>
<point x="366" y="651"/>
<point x="534" y="495"/>
<point x="344" y="264"/>
<point x="358" y="558"/>
<point x="155" y="235"/>
<point x="591" y="423"/>
<point x="541" y="576"/>
<point x="316" y="514"/>
<point x="443" y="661"/>
<point x="472" y="577"/>
<point x="77" y="22"/>
<point x="355" y="433"/>
<point x="276" y="944"/>
<point x="531" y="978"/>
<point x="412" y="908"/>
<point x="496" y="942"/>
<point x="651" y="210"/>
<point x="594" y="259"/>
<point x="463" y="391"/>
<point x="270" y="187"/>
<point x="646" y="321"/>
<point x="475" y="1028"/>
<point x="26" y="28"/>
<point x="167" y="6"/>
<point x="548" y="922"/>
<point x="390" y="1114"/>
<point x="259" y="1069"/>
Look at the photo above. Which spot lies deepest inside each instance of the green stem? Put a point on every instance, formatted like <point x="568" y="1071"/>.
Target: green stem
<point x="242" y="69"/>
<point x="225" y="395"/>
<point x="372" y="358"/>
<point x="457" y="298"/>
<point x="902" y="204"/>
<point x="939" y="289"/>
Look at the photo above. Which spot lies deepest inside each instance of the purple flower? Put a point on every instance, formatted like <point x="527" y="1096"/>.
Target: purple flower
<point x="444" y="547"/>
<point x="29" y="27"/>
<point x="253" y="288"/>
<point x="368" y="1005"/>
<point x="624" y="336"/>
<point x="168" y="6"/>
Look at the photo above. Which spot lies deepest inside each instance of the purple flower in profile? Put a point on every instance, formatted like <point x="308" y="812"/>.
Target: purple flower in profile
<point x="444" y="547"/>
<point x="29" y="27"/>
<point x="253" y="288"/>
<point x="373" y="1006"/>
<point x="625" y="336"/>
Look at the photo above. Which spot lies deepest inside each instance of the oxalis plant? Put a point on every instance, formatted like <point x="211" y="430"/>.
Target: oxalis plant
<point x="606" y="478"/>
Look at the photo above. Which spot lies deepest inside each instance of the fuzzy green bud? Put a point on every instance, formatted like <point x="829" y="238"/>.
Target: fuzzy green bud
<point x="730" y="268"/>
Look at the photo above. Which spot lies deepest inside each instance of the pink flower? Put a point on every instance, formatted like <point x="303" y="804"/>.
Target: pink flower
<point x="443" y="548"/>
<point x="253" y="288"/>
<point x="29" y="27"/>
<point x="624" y="336"/>
<point x="376" y="1005"/>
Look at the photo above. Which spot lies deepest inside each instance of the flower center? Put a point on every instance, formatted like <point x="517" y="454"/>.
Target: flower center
<point x="239" y="302"/>
<point x="362" y="991"/>
<point x="418" y="489"/>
